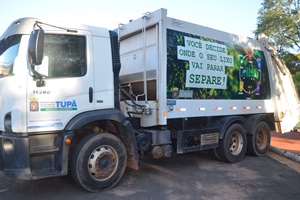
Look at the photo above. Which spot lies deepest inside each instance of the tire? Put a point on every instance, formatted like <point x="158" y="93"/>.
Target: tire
<point x="233" y="146"/>
<point x="98" y="162"/>
<point x="213" y="153"/>
<point x="259" y="141"/>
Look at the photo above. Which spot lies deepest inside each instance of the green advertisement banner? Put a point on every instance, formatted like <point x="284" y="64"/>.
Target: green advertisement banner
<point x="202" y="68"/>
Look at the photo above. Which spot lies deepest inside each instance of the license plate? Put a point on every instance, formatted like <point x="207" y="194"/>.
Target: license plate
<point x="210" y="138"/>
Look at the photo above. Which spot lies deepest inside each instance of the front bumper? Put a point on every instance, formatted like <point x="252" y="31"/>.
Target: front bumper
<point x="14" y="156"/>
<point x="36" y="156"/>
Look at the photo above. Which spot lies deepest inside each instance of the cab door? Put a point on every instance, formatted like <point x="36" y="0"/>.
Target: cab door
<point x="103" y="72"/>
<point x="68" y="81"/>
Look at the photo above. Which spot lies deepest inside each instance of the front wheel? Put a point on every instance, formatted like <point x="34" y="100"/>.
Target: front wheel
<point x="259" y="140"/>
<point x="233" y="146"/>
<point x="98" y="162"/>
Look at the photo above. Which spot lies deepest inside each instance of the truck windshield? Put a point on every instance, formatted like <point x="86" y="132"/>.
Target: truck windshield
<point x="9" y="48"/>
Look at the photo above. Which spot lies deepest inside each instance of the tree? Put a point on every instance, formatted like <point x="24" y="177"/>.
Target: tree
<point x="279" y="20"/>
<point x="292" y="62"/>
<point x="296" y="79"/>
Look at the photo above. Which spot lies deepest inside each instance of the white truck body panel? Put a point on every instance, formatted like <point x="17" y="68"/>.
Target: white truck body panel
<point x="149" y="55"/>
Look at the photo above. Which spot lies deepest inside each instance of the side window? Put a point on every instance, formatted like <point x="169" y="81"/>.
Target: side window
<point x="64" y="56"/>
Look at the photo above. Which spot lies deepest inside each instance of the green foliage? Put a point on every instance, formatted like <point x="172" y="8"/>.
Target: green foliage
<point x="296" y="79"/>
<point x="279" y="20"/>
<point x="292" y="62"/>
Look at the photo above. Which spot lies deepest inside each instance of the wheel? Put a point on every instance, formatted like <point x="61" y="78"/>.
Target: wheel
<point x="259" y="141"/>
<point x="233" y="146"/>
<point x="99" y="161"/>
<point x="213" y="153"/>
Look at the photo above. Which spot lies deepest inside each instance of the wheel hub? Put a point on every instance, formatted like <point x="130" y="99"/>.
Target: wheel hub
<point x="236" y="143"/>
<point x="103" y="163"/>
<point x="261" y="139"/>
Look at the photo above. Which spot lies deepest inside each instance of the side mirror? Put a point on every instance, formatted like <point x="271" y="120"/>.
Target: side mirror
<point x="36" y="47"/>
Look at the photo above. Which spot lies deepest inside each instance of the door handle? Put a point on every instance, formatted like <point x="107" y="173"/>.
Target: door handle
<point x="91" y="94"/>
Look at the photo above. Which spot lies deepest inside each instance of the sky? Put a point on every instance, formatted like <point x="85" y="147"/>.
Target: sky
<point x="235" y="16"/>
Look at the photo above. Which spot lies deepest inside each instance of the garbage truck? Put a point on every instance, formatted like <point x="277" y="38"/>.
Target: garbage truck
<point x="88" y="101"/>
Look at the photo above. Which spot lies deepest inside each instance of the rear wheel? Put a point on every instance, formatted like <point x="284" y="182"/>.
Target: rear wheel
<point x="259" y="141"/>
<point x="99" y="162"/>
<point x="213" y="153"/>
<point x="232" y="147"/>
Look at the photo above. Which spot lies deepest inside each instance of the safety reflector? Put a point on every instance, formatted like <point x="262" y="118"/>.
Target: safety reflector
<point x="181" y="109"/>
<point x="165" y="114"/>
